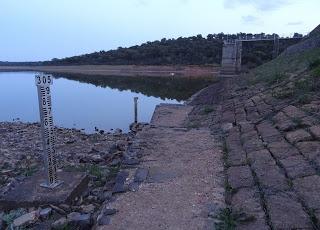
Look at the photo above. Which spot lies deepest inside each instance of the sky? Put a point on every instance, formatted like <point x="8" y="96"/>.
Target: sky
<point x="38" y="30"/>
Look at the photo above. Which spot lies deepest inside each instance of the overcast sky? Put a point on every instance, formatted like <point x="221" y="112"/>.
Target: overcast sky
<point x="32" y="30"/>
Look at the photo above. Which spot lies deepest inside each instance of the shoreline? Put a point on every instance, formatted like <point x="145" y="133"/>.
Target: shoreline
<point x="122" y="70"/>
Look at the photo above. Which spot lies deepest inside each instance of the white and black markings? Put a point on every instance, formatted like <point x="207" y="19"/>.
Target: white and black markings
<point x="43" y="82"/>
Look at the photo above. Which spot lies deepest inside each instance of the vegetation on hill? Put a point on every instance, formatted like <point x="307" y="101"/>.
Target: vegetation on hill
<point x="195" y="50"/>
<point x="295" y="73"/>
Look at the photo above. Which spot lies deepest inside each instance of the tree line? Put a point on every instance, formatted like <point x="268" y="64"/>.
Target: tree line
<point x="194" y="50"/>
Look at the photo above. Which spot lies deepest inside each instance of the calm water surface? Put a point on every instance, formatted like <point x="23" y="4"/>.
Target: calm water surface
<point x="75" y="104"/>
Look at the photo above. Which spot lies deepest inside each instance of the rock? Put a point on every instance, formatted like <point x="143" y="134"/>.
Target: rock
<point x="130" y="161"/>
<point x="109" y="211"/>
<point x="107" y="195"/>
<point x="60" y="223"/>
<point x="121" y="145"/>
<point x="115" y="162"/>
<point x="113" y="149"/>
<point x="119" y="188"/>
<point x="226" y="126"/>
<point x="70" y="141"/>
<point x="122" y="177"/>
<point x="118" y="132"/>
<point x="26" y="219"/>
<point x="103" y="219"/>
<point x="65" y="207"/>
<point x="96" y="158"/>
<point x="80" y="220"/>
<point x="88" y="208"/>
<point x="45" y="213"/>
<point x="134" y="186"/>
<point x="140" y="175"/>
<point x="58" y="210"/>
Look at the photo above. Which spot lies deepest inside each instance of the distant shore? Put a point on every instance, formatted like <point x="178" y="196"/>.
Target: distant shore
<point x="123" y="70"/>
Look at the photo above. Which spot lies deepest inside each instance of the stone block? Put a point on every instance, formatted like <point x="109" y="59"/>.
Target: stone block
<point x="297" y="166"/>
<point x="254" y="144"/>
<point x="298" y="136"/>
<point x="294" y="112"/>
<point x="315" y="131"/>
<point x="308" y="188"/>
<point x="287" y="213"/>
<point x="310" y="149"/>
<point x="239" y="177"/>
<point x="260" y="158"/>
<point x="268" y="132"/>
<point x="29" y="193"/>
<point x="282" y="149"/>
<point x="236" y="157"/>
<point x="246" y="127"/>
<point x="271" y="179"/>
<point x="247" y="202"/>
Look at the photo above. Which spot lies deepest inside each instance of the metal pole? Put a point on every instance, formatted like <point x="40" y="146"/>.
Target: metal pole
<point x="43" y="83"/>
<point x="136" y="110"/>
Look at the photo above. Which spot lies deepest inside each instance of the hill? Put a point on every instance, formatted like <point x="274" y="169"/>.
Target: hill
<point x="295" y="73"/>
<point x="195" y="50"/>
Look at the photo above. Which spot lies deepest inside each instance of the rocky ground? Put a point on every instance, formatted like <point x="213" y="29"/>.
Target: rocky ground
<point x="99" y="155"/>
<point x="272" y="155"/>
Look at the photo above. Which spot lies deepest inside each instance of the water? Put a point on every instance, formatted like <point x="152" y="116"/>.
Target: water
<point x="87" y="102"/>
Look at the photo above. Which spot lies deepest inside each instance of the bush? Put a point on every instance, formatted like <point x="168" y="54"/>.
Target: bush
<point x="314" y="64"/>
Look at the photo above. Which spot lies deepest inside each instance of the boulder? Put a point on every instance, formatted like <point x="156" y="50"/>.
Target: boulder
<point x="26" y="219"/>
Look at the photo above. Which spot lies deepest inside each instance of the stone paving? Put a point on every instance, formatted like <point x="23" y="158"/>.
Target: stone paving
<point x="272" y="159"/>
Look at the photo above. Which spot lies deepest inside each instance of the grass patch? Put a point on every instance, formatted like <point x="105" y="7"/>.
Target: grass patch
<point x="113" y="172"/>
<point x="314" y="64"/>
<point x="11" y="216"/>
<point x="316" y="72"/>
<point x="29" y="171"/>
<point x="227" y="220"/>
<point x="101" y="174"/>
<point x="278" y="69"/>
<point x="193" y="125"/>
<point x="208" y="109"/>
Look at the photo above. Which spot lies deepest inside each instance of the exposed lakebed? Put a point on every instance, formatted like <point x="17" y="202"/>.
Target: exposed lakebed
<point x="86" y="102"/>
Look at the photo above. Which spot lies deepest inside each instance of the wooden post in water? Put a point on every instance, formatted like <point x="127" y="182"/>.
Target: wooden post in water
<point x="43" y="83"/>
<point x="135" y="109"/>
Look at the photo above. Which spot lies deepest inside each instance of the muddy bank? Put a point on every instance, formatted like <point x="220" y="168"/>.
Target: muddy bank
<point x="123" y="70"/>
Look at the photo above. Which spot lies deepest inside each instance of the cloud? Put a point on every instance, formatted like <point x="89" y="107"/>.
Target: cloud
<point x="295" y="23"/>
<point x="250" y="19"/>
<point x="262" y="5"/>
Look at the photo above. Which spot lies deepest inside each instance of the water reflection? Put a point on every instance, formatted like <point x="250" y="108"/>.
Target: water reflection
<point x="175" y="88"/>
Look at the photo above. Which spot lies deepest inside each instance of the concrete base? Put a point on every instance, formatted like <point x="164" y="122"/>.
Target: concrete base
<point x="29" y="193"/>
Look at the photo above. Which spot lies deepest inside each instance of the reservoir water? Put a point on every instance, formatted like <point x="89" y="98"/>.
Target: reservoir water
<point x="86" y="102"/>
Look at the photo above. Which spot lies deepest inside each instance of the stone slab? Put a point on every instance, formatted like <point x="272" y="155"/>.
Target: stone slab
<point x="286" y="213"/>
<point x="240" y="177"/>
<point x="29" y="193"/>
<point x="170" y="115"/>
